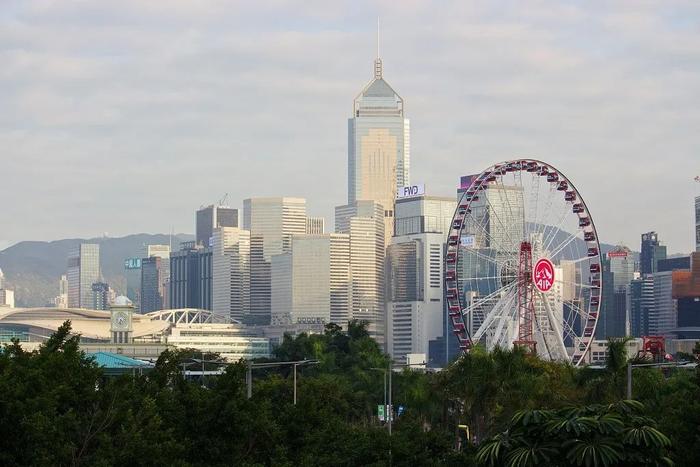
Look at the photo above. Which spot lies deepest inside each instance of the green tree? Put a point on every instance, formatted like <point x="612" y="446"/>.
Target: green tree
<point x="596" y="435"/>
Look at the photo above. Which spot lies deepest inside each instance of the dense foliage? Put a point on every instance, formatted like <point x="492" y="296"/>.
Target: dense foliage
<point x="57" y="408"/>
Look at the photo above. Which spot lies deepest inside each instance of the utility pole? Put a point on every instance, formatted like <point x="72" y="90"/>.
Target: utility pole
<point x="251" y="366"/>
<point x="391" y="408"/>
<point x="629" y="380"/>
<point x="385" y="411"/>
<point x="249" y="379"/>
<point x="630" y="366"/>
<point x="295" y="384"/>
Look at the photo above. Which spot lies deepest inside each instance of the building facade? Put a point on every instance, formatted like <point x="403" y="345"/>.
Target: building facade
<point x="697" y="223"/>
<point x="191" y="277"/>
<point x="641" y="305"/>
<point x="271" y="223"/>
<point x="61" y="300"/>
<point x="7" y="296"/>
<point x="132" y="271"/>
<point x="152" y="284"/>
<point x="100" y="296"/>
<point x="315" y="225"/>
<point x="662" y="321"/>
<point x="652" y="251"/>
<point x="231" y="273"/>
<point x="415" y="310"/>
<point x="232" y="341"/>
<point x="364" y="222"/>
<point x="209" y="218"/>
<point x="378" y="146"/>
<point x="83" y="271"/>
<point x="310" y="282"/>
<point x="162" y="252"/>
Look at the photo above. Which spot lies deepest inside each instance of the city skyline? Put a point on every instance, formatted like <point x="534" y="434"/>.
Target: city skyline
<point x="272" y="98"/>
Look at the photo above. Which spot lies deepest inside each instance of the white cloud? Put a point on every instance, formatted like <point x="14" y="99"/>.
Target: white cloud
<point x="126" y="116"/>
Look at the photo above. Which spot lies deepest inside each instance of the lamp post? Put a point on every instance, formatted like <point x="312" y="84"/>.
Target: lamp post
<point x="630" y="366"/>
<point x="388" y="409"/>
<point x="251" y="366"/>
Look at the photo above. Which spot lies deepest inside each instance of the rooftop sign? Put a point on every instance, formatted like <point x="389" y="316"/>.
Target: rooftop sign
<point x="410" y="191"/>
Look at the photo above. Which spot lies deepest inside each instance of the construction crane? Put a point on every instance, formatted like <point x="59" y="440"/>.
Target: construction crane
<point x="222" y="201"/>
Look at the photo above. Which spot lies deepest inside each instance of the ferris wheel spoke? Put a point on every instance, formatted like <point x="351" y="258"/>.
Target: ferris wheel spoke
<point x="534" y="197"/>
<point x="560" y="247"/>
<point x="495" y="314"/>
<point x="541" y="224"/>
<point x="575" y="284"/>
<point x="505" y="230"/>
<point x="465" y="279"/>
<point x="488" y="298"/>
<point x="517" y="190"/>
<point x="492" y="241"/>
<point x="478" y="254"/>
<point x="546" y="243"/>
<point x="578" y="310"/>
<point x="553" y="324"/>
<point x="570" y="333"/>
<point x="492" y="314"/>
<point x="500" y="336"/>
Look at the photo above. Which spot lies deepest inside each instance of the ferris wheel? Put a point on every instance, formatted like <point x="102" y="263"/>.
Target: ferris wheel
<point x="522" y="265"/>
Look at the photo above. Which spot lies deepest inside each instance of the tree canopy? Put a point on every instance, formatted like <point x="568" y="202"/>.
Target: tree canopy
<point x="58" y="408"/>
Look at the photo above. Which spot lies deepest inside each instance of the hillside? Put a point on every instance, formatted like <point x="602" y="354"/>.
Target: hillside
<point x="33" y="269"/>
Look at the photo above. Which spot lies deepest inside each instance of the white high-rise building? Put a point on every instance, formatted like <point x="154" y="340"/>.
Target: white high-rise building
<point x="414" y="310"/>
<point x="310" y="282"/>
<point x="271" y="222"/>
<point x="363" y="221"/>
<point x="83" y="271"/>
<point x="622" y="267"/>
<point x="61" y="300"/>
<point x="231" y="272"/>
<point x="159" y="251"/>
<point x="378" y="146"/>
<point x="7" y="296"/>
<point x="315" y="225"/>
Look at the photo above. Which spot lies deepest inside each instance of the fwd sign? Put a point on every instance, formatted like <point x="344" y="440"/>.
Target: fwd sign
<point x="410" y="191"/>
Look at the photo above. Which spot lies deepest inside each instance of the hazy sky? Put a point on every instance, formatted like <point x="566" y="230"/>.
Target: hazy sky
<point x="125" y="116"/>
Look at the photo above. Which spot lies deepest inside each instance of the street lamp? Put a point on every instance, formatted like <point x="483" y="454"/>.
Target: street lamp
<point x="630" y="366"/>
<point x="251" y="365"/>
<point x="389" y="410"/>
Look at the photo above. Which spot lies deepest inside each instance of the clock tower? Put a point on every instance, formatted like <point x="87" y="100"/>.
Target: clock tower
<point x="121" y="328"/>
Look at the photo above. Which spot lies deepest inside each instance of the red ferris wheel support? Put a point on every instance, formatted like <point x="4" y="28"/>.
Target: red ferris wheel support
<point x="526" y="308"/>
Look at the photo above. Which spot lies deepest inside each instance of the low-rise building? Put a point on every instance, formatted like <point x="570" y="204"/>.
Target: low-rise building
<point x="141" y="336"/>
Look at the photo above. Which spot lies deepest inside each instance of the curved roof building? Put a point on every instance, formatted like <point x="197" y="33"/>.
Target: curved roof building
<point x="36" y="324"/>
<point x="150" y="333"/>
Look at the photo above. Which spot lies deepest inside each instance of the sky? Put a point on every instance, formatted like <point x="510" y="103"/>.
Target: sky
<point x="121" y="117"/>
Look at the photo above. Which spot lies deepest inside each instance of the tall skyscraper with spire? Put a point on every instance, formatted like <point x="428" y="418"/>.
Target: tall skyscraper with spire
<point x="378" y="146"/>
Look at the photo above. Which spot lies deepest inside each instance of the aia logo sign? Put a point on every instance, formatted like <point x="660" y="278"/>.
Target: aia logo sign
<point x="543" y="275"/>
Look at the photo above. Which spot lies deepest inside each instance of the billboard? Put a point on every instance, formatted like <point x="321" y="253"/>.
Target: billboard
<point x="467" y="241"/>
<point x="466" y="181"/>
<point x="410" y="191"/>
<point x="132" y="263"/>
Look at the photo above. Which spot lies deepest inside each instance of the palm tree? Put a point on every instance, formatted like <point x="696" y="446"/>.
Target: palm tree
<point x="591" y="436"/>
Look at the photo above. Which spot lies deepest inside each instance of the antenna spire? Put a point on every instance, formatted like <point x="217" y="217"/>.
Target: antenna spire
<point x="377" y="61"/>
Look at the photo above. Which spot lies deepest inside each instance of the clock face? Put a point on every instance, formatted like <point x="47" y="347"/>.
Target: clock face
<point x="121" y="321"/>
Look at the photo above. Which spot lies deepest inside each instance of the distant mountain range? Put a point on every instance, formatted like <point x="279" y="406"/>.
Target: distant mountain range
<point x="33" y="269"/>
